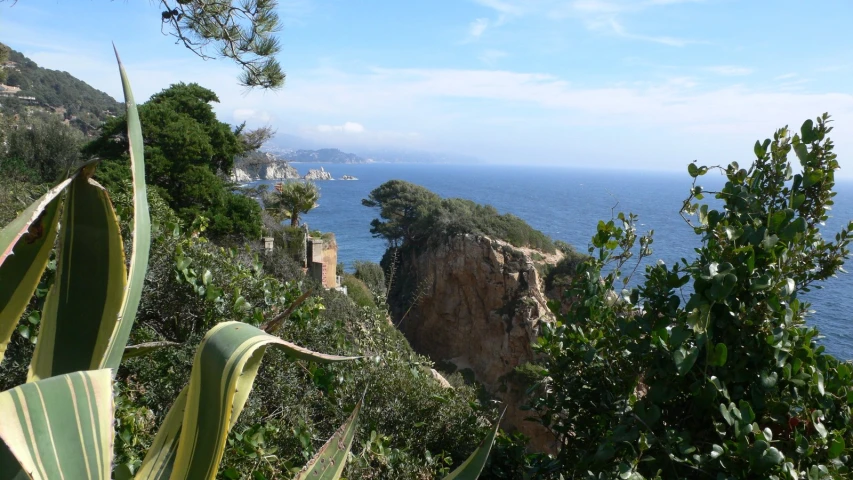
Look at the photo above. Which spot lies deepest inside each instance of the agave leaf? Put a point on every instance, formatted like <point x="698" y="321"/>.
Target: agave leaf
<point x="25" y="245"/>
<point x="82" y="307"/>
<point x="141" y="349"/>
<point x="141" y="232"/>
<point x="471" y="468"/>
<point x="60" y="427"/>
<point x="191" y="441"/>
<point x="330" y="461"/>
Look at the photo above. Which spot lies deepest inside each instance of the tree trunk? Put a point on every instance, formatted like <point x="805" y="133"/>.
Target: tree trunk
<point x="294" y="220"/>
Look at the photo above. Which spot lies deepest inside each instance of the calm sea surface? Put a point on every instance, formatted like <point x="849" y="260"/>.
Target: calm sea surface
<point x="566" y="204"/>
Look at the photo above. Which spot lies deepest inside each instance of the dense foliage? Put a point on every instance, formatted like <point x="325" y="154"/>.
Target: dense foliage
<point x="187" y="153"/>
<point x="291" y="199"/>
<point x="373" y="276"/>
<point x="84" y="106"/>
<point x="40" y="149"/>
<point x="414" y="215"/>
<point x="730" y="383"/>
<point x="410" y="424"/>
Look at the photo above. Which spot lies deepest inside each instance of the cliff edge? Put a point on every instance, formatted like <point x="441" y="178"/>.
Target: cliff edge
<point x="474" y="304"/>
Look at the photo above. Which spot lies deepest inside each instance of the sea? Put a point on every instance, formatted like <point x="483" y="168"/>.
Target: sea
<point x="566" y="203"/>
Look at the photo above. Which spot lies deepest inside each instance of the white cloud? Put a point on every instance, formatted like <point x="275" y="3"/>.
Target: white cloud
<point x="347" y="127"/>
<point x="478" y="27"/>
<point x="729" y="70"/>
<point x="785" y="76"/>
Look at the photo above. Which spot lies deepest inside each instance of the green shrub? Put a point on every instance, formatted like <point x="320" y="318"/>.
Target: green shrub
<point x="358" y="291"/>
<point x="561" y="274"/>
<point x="372" y="275"/>
<point x="732" y="383"/>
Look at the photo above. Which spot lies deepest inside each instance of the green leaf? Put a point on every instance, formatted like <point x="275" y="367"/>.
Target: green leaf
<point x="60" y="427"/>
<point x="771" y="456"/>
<point x="473" y="465"/>
<point x="792" y="229"/>
<point x="330" y="461"/>
<point x="24" y="331"/>
<point x="25" y="246"/>
<point x="817" y="378"/>
<point x="768" y="380"/>
<point x="82" y="308"/>
<point x="206" y="278"/>
<point x="141" y="240"/>
<point x="692" y="170"/>
<point x="716" y="450"/>
<point x="720" y="355"/>
<point x="684" y="359"/>
<point x="802" y="152"/>
<point x="759" y="152"/>
<point x="224" y="370"/>
<point x="836" y="446"/>
<point x="808" y="134"/>
<point x="821" y="429"/>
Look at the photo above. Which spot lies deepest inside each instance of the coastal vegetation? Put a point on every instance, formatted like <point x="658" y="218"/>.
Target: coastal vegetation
<point x="728" y="382"/>
<point x="189" y="153"/>
<point x="291" y="199"/>
<point x="131" y="272"/>
<point x="180" y="284"/>
<point x="412" y="215"/>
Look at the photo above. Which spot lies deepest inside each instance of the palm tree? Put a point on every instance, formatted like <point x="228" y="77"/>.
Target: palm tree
<point x="291" y="199"/>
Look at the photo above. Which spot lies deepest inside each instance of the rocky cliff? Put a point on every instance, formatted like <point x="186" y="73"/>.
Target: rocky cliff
<point x="474" y="304"/>
<point x="262" y="166"/>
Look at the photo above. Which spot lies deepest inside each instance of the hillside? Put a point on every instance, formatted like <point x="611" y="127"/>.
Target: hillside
<point x="29" y="86"/>
<point x="324" y="155"/>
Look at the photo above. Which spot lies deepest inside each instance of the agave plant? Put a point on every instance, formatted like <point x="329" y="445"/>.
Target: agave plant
<point x="59" y="425"/>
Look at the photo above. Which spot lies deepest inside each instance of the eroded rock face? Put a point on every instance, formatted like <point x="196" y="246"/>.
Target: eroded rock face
<point x="475" y="303"/>
<point x="263" y="167"/>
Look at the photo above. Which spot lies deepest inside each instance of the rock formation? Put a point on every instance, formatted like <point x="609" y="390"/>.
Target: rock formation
<point x="320" y="174"/>
<point x="262" y="166"/>
<point x="473" y="304"/>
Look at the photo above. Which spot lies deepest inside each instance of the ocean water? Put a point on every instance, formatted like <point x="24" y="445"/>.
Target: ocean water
<point x="566" y="204"/>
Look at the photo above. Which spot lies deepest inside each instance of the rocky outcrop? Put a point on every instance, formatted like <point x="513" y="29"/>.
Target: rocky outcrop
<point x="473" y="304"/>
<point x="315" y="174"/>
<point x="348" y="177"/>
<point x="262" y="166"/>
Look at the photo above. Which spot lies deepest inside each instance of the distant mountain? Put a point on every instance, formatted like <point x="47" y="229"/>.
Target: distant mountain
<point x="398" y="155"/>
<point x="27" y="85"/>
<point x="324" y="155"/>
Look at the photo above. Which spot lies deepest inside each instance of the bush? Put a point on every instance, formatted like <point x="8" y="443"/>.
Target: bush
<point x="561" y="274"/>
<point x="731" y="384"/>
<point x="372" y="275"/>
<point x="358" y="291"/>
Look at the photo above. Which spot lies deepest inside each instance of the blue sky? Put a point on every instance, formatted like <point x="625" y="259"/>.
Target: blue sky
<point x="645" y="84"/>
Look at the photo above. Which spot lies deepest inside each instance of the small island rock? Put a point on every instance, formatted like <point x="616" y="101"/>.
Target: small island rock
<point x="320" y="174"/>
